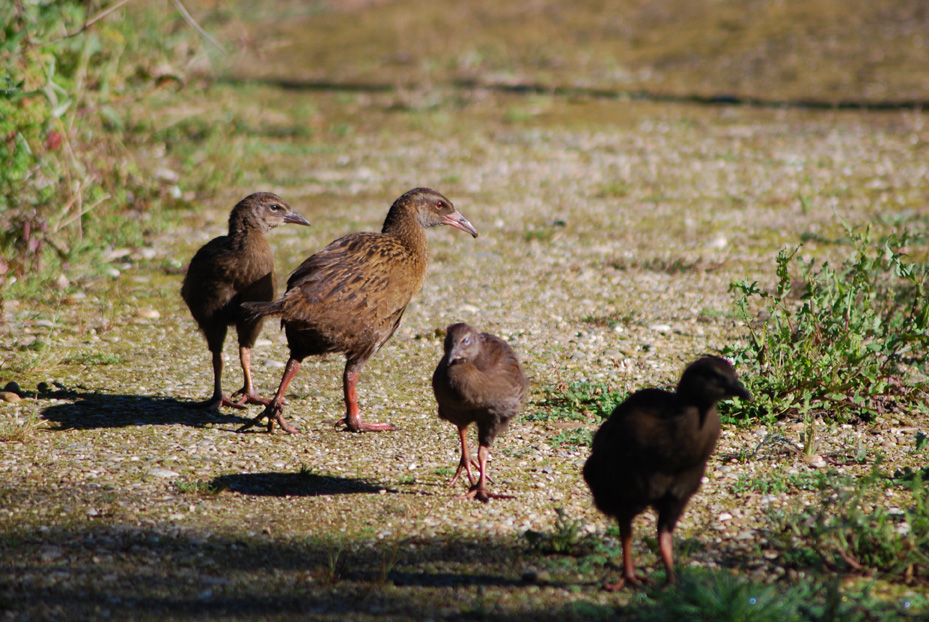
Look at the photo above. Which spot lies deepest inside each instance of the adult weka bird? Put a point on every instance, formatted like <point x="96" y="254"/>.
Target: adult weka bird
<point x="478" y="380"/>
<point x="653" y="451"/>
<point x="229" y="270"/>
<point x="350" y="296"/>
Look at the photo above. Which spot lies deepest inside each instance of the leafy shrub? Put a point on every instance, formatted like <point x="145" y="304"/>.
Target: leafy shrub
<point x="842" y="339"/>
<point x="68" y="188"/>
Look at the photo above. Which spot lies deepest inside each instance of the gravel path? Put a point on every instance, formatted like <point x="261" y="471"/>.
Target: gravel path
<point x="609" y="234"/>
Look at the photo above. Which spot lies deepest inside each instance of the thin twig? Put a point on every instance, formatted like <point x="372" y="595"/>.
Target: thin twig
<point x="196" y="26"/>
<point x="90" y="22"/>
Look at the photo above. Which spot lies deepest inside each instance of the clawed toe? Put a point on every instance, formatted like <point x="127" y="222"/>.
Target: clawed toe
<point x="249" y="398"/>
<point x="482" y="495"/>
<point x="362" y="426"/>
<point x="274" y="414"/>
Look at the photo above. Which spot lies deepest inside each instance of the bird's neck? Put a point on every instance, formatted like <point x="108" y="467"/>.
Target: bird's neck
<point x="404" y="226"/>
<point x="244" y="228"/>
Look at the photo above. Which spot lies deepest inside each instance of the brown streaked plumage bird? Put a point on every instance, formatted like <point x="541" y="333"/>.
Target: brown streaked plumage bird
<point x="478" y="380"/>
<point x="229" y="270"/>
<point x="653" y="451"/>
<point x="350" y="296"/>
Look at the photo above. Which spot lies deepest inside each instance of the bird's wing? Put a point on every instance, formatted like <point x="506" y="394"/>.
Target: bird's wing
<point x="361" y="273"/>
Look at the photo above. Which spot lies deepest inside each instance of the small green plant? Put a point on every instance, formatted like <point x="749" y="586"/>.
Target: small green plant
<point x="331" y="573"/>
<point x="579" y="437"/>
<point x="577" y="401"/>
<point x="20" y="430"/>
<point x="565" y="538"/>
<point x="389" y="562"/>
<point x="841" y="341"/>
<point x="851" y="527"/>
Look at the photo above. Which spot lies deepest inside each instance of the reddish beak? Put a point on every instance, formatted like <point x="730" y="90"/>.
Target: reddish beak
<point x="455" y="219"/>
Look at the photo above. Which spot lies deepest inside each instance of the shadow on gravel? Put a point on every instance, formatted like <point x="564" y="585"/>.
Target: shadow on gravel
<point x="129" y="572"/>
<point x="91" y="410"/>
<point x="293" y="485"/>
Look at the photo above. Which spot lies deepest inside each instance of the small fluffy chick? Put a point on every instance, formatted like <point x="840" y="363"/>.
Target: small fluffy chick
<point x="478" y="380"/>
<point x="653" y="450"/>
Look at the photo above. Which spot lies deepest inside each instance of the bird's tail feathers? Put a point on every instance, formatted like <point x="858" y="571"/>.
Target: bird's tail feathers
<point x="255" y="310"/>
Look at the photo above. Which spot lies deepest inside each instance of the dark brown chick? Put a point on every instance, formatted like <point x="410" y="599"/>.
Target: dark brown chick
<point x="229" y="270"/>
<point x="478" y="380"/>
<point x="653" y="451"/>
<point x="350" y="296"/>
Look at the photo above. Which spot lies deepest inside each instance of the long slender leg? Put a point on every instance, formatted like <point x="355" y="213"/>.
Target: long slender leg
<point x="352" y="416"/>
<point x="666" y="548"/>
<point x="274" y="411"/>
<point x="247" y="391"/>
<point x="217" y="400"/>
<point x="466" y="461"/>
<point x="629" y="576"/>
<point x="479" y="491"/>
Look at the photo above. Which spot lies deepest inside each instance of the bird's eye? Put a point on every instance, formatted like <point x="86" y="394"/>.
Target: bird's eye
<point x="466" y="341"/>
<point x="440" y="205"/>
<point x="275" y="207"/>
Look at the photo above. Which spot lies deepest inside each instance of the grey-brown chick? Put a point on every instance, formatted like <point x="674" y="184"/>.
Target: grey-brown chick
<point x="479" y="380"/>
<point x="653" y="450"/>
<point x="229" y="270"/>
<point x="350" y="296"/>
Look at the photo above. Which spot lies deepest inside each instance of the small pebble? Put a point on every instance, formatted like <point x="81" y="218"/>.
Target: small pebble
<point x="9" y="396"/>
<point x="13" y="387"/>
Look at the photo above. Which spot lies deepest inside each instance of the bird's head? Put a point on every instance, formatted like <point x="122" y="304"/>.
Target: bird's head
<point x="267" y="210"/>
<point x="462" y="343"/>
<point x="431" y="209"/>
<point x="710" y="379"/>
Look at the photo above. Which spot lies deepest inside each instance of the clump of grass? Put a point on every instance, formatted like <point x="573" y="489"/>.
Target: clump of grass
<point x="851" y="527"/>
<point x="843" y="341"/>
<point x="20" y="430"/>
<point x="565" y="538"/>
<point x="779" y="482"/>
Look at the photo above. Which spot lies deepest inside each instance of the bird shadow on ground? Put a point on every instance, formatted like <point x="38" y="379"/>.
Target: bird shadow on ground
<point x="293" y="485"/>
<point x="87" y="410"/>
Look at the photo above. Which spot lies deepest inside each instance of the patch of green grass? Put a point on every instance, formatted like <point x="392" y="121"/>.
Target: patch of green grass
<point x="20" y="431"/>
<point x="851" y="527"/>
<point x="843" y="344"/>
<point x="779" y="482"/>
<point x="576" y="401"/>
<point x="666" y="265"/>
<point x="93" y="358"/>
<point x="577" y="437"/>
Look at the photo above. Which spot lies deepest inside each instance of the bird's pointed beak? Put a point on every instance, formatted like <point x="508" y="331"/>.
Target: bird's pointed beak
<point x="294" y="218"/>
<point x="739" y="390"/>
<point x="455" y="219"/>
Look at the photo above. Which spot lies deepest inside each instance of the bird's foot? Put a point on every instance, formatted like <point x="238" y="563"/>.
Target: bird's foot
<point x="274" y="414"/>
<point x="482" y="495"/>
<point x="250" y="398"/>
<point x="361" y="426"/>
<point x="631" y="580"/>
<point x="463" y="467"/>
<point x="215" y="403"/>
